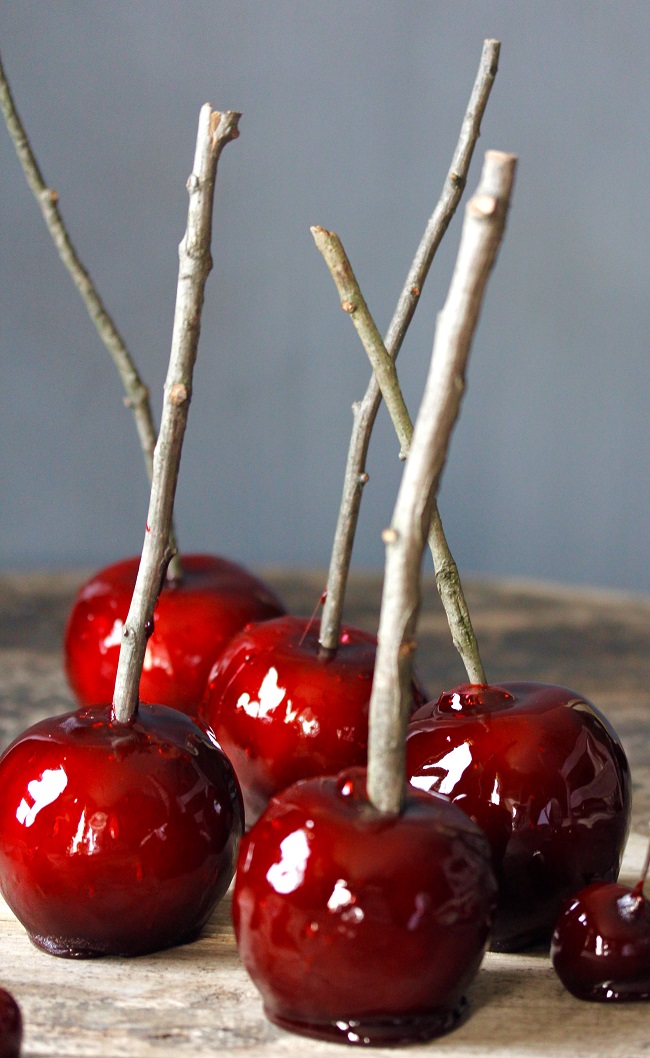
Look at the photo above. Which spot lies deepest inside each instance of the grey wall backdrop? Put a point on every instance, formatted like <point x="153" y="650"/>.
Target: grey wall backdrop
<point x="351" y="112"/>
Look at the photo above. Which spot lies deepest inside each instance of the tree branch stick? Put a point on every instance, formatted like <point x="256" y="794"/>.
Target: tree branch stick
<point x="447" y="576"/>
<point x="483" y="228"/>
<point x="365" y="411"/>
<point x="136" y="393"/>
<point x="195" y="263"/>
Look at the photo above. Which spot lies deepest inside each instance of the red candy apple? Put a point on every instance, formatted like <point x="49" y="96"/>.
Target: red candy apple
<point x="11" y="1026"/>
<point x="193" y="620"/>
<point x="282" y="711"/>
<point x="119" y="824"/>
<point x="544" y="775"/>
<point x="116" y="839"/>
<point x="601" y="944"/>
<point x="358" y="926"/>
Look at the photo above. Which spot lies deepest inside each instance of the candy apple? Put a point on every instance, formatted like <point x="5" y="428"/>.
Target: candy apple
<point x="544" y="775"/>
<point x="116" y="839"/>
<point x="193" y="620"/>
<point x="601" y="944"/>
<point x="11" y="1026"/>
<point x="358" y="926"/>
<point x="283" y="711"/>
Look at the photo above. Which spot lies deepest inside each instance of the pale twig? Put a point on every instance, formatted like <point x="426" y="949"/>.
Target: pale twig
<point x="447" y="576"/>
<point x="195" y="263"/>
<point x="391" y="697"/>
<point x="137" y="394"/>
<point x="364" y="412"/>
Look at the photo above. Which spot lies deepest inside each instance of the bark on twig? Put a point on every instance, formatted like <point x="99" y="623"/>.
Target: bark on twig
<point x="365" y="411"/>
<point x="447" y="575"/>
<point x="195" y="263"/>
<point x="136" y="393"/>
<point x="390" y="701"/>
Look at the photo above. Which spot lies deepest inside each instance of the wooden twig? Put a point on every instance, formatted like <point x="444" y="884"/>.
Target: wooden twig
<point x="136" y="393"/>
<point x="447" y="576"/>
<point x="195" y="263"/>
<point x="364" y="412"/>
<point x="483" y="228"/>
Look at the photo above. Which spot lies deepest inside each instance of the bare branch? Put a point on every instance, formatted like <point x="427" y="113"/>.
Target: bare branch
<point x="136" y="393"/>
<point x="483" y="228"/>
<point x="365" y="411"/>
<point x="195" y="263"/>
<point x="447" y="575"/>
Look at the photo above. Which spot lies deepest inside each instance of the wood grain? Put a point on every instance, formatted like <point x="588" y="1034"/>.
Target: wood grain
<point x="197" y="1000"/>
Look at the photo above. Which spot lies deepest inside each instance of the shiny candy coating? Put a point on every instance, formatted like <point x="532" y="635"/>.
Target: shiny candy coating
<point x="361" y="927"/>
<point x="544" y="775"/>
<point x="601" y="944"/>
<point x="282" y="712"/>
<point x="193" y="621"/>
<point x="116" y="839"/>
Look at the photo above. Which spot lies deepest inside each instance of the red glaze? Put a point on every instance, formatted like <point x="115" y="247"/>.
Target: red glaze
<point x="116" y="839"/>
<point x="360" y="927"/>
<point x="193" y="621"/>
<point x="601" y="944"/>
<point x="11" y="1026"/>
<point x="543" y="773"/>
<point x="282" y="712"/>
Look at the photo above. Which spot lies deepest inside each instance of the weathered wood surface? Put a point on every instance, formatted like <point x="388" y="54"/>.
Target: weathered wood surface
<point x="197" y="1000"/>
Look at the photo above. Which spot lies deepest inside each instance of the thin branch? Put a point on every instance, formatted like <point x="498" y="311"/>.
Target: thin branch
<point x="137" y="394"/>
<point x="447" y="576"/>
<point x="195" y="263"/>
<point x="483" y="228"/>
<point x="365" y="411"/>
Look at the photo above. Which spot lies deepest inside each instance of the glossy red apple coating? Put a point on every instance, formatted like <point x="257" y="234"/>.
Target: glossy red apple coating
<point x="116" y="839"/>
<point x="544" y="775"/>
<point x="193" y="621"/>
<point x="281" y="712"/>
<point x="601" y="944"/>
<point x="11" y="1026"/>
<point x="360" y="927"/>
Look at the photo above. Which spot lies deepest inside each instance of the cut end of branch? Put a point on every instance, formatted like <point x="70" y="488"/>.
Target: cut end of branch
<point x="491" y="51"/>
<point x="227" y="128"/>
<point x="322" y="237"/>
<point x="215" y="118"/>
<point x="222" y="126"/>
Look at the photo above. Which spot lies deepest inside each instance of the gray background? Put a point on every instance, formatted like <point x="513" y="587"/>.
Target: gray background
<point x="351" y="112"/>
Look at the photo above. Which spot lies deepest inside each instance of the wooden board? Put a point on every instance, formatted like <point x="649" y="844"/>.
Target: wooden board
<point x="197" y="1000"/>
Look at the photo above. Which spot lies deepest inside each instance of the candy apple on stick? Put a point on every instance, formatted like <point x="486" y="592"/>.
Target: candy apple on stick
<point x="119" y="824"/>
<point x="289" y="699"/>
<point x="362" y="907"/>
<point x="205" y="599"/>
<point x="601" y="943"/>
<point x="545" y="859"/>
